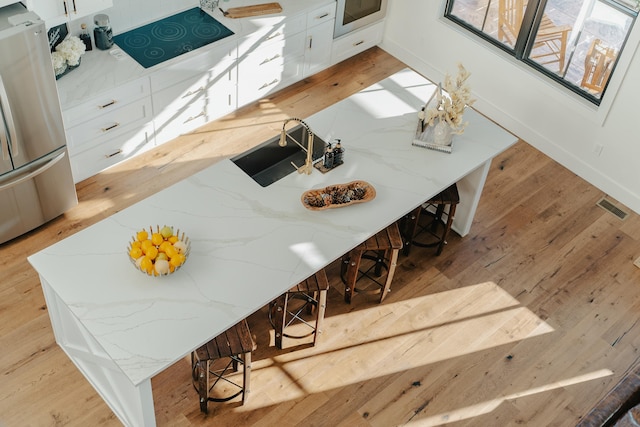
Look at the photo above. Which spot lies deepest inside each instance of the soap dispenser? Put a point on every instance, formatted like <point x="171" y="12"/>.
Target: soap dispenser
<point x="338" y="154"/>
<point x="328" y="157"/>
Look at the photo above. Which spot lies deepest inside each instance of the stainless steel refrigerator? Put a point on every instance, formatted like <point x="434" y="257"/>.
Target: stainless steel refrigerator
<point x="36" y="184"/>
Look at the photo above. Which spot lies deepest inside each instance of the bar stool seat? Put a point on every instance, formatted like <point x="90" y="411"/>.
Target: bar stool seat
<point x="381" y="252"/>
<point x="214" y="362"/>
<point x="425" y="226"/>
<point x="297" y="306"/>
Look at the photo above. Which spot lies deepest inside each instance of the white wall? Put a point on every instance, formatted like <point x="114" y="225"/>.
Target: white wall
<point x="544" y="114"/>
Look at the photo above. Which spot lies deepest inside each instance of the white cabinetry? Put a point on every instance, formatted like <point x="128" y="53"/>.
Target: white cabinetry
<point x="317" y="55"/>
<point x="271" y="59"/>
<point x="192" y="92"/>
<point x="157" y="105"/>
<point x="55" y="12"/>
<point x="356" y="41"/>
<point x="109" y="128"/>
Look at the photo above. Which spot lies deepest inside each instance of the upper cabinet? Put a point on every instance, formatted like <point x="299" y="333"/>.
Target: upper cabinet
<point x="56" y="12"/>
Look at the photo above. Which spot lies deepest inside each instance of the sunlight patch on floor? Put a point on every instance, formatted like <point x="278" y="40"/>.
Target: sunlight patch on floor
<point x="424" y="330"/>
<point x="490" y="405"/>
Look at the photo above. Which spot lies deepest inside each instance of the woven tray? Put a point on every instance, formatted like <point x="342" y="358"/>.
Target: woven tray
<point x="338" y="196"/>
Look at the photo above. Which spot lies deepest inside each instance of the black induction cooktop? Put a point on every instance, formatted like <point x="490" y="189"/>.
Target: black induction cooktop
<point x="167" y="38"/>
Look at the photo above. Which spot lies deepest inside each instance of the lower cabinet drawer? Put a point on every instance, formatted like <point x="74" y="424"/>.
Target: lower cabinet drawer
<point x="111" y="124"/>
<point x="107" y="151"/>
<point x="103" y="104"/>
<point x="177" y="111"/>
<point x="355" y="42"/>
<point x="253" y="85"/>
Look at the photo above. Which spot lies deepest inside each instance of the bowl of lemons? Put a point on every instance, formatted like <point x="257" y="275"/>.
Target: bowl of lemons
<point x="158" y="252"/>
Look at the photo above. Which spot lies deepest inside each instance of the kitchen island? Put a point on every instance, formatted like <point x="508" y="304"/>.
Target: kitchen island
<point x="249" y="243"/>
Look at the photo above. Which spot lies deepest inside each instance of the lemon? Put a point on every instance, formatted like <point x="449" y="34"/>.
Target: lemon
<point x="171" y="251"/>
<point x="157" y="239"/>
<point x="146" y="265"/>
<point x="145" y="245"/>
<point x="177" y="260"/>
<point x="142" y="235"/>
<point x="135" y="252"/>
<point x="152" y="253"/>
<point x="163" y="246"/>
<point x="173" y="239"/>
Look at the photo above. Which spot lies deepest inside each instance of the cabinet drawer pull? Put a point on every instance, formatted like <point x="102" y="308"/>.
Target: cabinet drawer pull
<point x="358" y="43"/>
<point x="107" y="129"/>
<point x="322" y="16"/>
<point x="274" y="81"/>
<point x="75" y="9"/>
<point x="108" y="104"/>
<point x="66" y="13"/>
<point x="201" y="114"/>
<point x="193" y="92"/>
<point x="108" y="156"/>
<point x="273" y="36"/>
<point x="266" y="60"/>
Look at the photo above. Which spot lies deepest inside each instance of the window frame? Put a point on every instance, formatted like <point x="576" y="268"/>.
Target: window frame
<point x="524" y="43"/>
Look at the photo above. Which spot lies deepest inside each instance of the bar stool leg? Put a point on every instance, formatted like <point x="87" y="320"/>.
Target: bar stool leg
<point x="411" y="227"/>
<point x="352" y="275"/>
<point x="393" y="260"/>
<point x="246" y="374"/>
<point x="450" y="216"/>
<point x="280" y="318"/>
<point x="322" y="304"/>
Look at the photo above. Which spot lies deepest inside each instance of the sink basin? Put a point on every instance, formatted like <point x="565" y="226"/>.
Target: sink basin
<point x="268" y="162"/>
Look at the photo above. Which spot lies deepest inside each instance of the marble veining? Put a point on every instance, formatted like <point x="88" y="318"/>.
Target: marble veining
<point x="249" y="243"/>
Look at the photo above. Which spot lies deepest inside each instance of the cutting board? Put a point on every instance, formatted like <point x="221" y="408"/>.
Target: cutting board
<point x="255" y="10"/>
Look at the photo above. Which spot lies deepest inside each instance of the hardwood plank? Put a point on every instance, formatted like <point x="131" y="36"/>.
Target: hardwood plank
<point x="528" y="320"/>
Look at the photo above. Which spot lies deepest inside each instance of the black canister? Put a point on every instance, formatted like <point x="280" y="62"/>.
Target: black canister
<point x="102" y="33"/>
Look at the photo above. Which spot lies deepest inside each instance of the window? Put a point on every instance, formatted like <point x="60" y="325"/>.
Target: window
<point x="576" y="43"/>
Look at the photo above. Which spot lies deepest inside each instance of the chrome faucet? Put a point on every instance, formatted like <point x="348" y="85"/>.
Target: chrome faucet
<point x="308" y="164"/>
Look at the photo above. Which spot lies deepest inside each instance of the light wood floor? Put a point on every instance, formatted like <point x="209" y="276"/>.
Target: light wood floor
<point x="528" y="320"/>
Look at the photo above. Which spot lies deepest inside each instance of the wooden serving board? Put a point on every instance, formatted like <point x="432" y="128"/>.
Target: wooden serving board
<point x="334" y="196"/>
<point x="255" y="10"/>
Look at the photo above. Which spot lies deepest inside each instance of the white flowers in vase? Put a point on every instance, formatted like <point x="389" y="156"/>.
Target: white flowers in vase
<point x="67" y="53"/>
<point x="449" y="106"/>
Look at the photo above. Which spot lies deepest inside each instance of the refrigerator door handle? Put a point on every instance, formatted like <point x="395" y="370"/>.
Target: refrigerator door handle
<point x="8" y="117"/>
<point x="4" y="144"/>
<point x="40" y="167"/>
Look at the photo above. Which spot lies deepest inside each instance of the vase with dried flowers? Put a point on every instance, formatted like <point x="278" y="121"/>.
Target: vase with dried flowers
<point x="441" y="117"/>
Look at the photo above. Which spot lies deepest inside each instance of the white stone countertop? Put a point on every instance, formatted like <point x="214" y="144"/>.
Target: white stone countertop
<point x="250" y="244"/>
<point x="100" y="71"/>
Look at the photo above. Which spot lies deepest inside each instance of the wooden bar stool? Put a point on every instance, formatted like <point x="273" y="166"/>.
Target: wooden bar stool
<point x="208" y="364"/>
<point x="381" y="250"/>
<point x="425" y="226"/>
<point x="297" y="305"/>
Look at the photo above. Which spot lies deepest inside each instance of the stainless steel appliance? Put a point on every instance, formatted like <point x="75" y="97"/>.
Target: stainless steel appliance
<point x="354" y="14"/>
<point x="36" y="184"/>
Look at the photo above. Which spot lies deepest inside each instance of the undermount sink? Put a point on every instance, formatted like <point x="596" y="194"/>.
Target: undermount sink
<point x="269" y="162"/>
